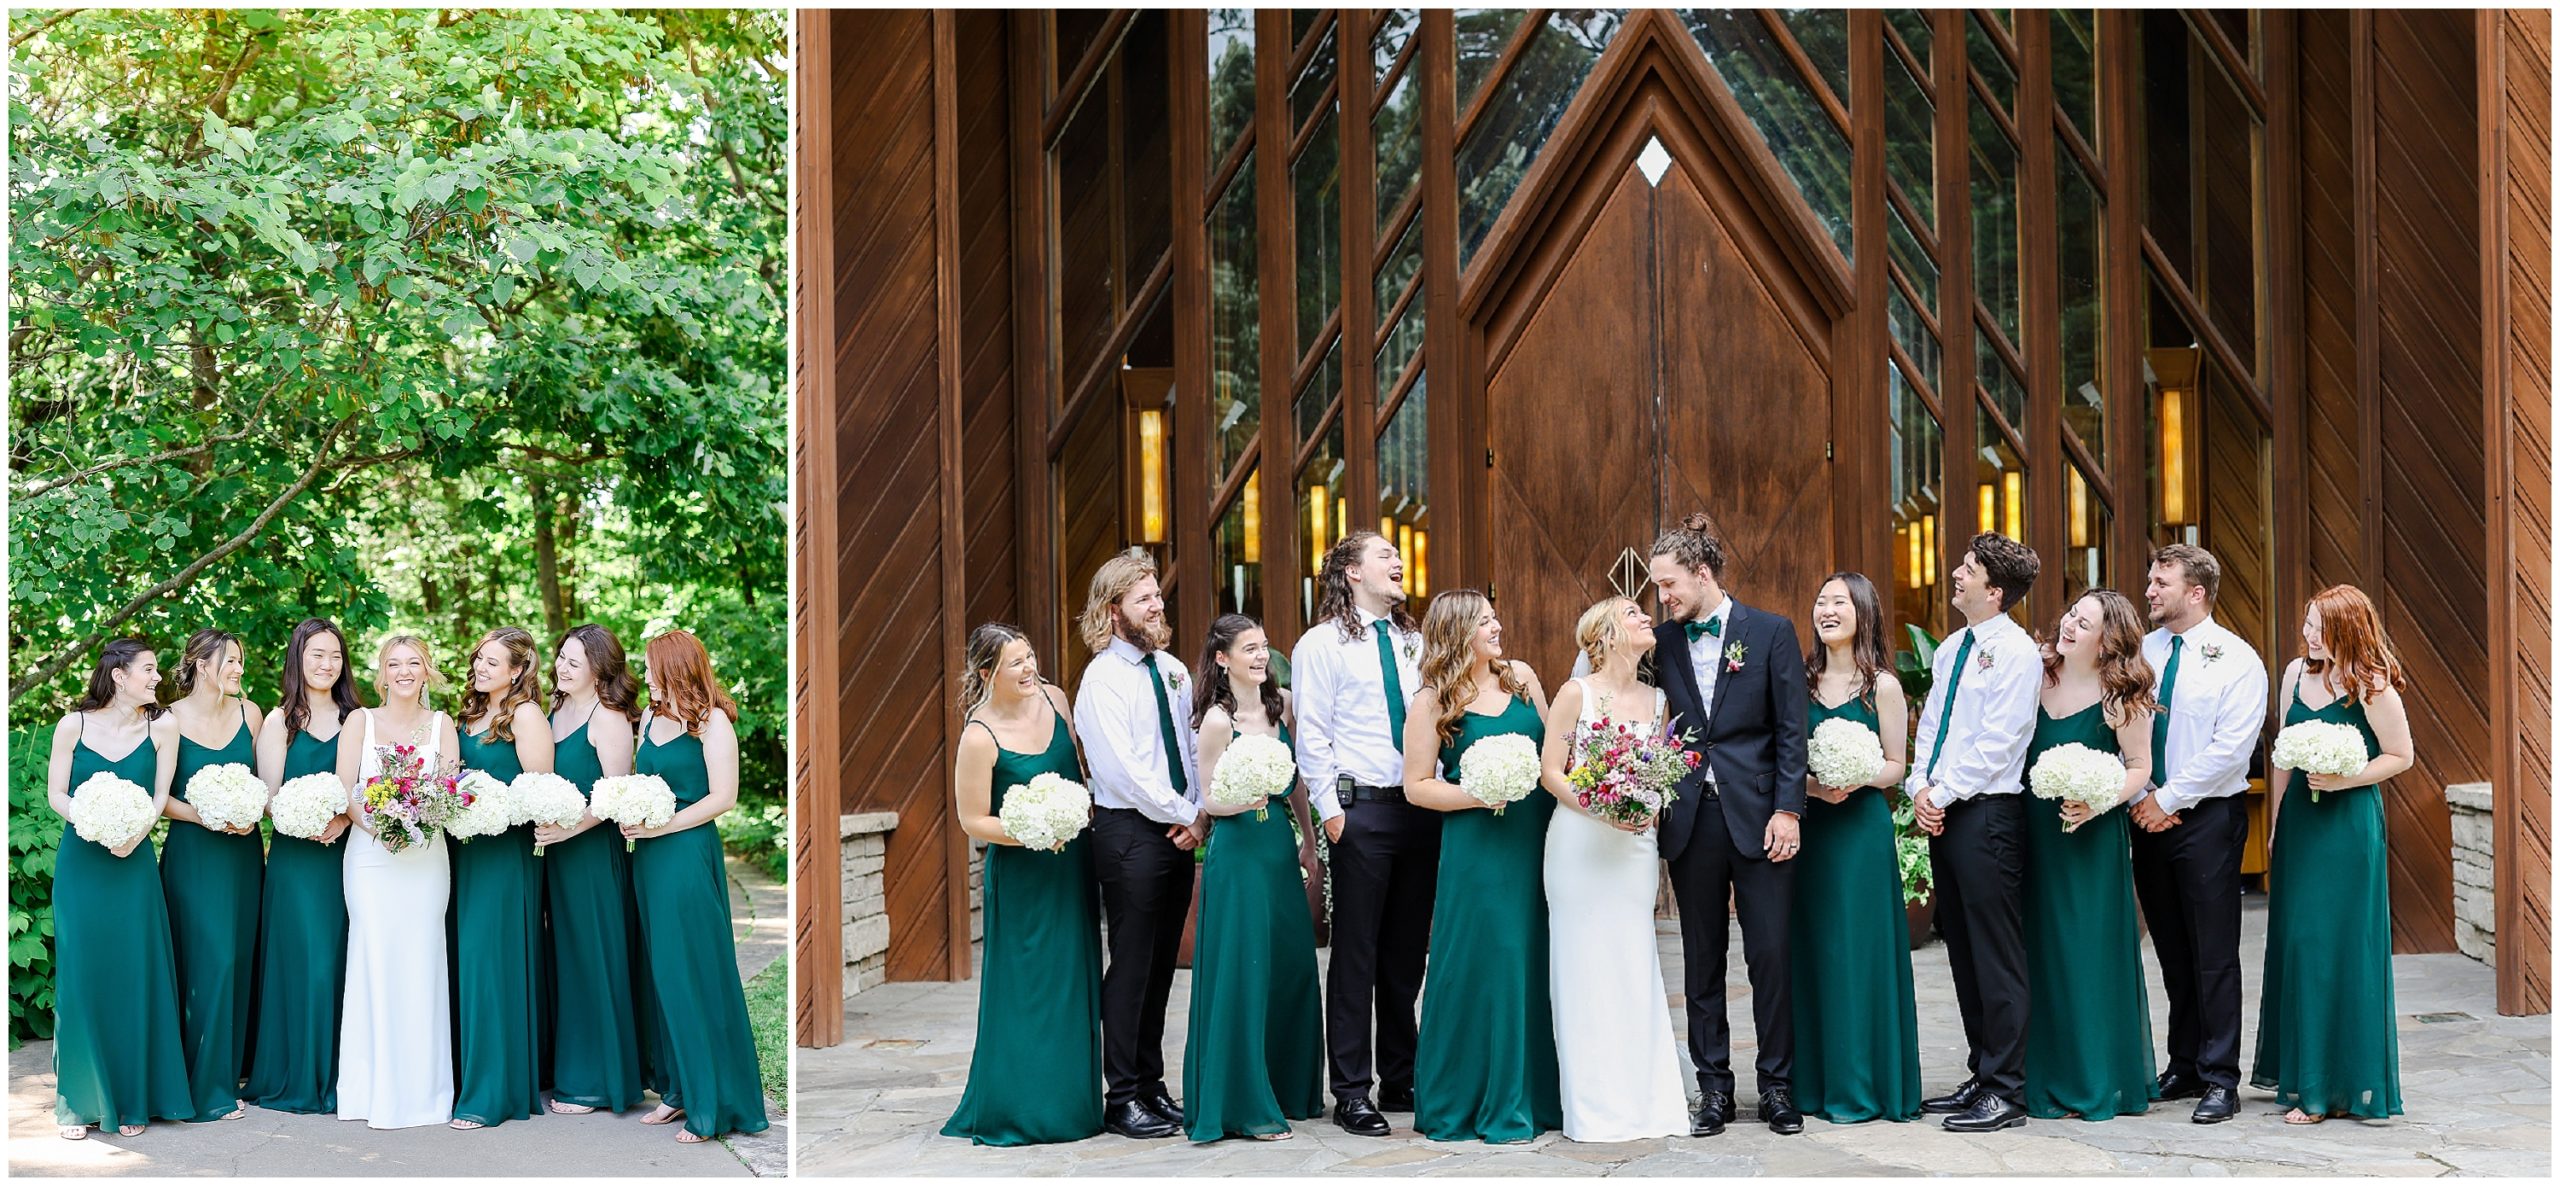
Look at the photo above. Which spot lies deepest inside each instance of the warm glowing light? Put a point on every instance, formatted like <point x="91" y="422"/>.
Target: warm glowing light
<point x="1929" y="548"/>
<point x="1317" y="504"/>
<point x="1420" y="564"/>
<point x="1911" y="573"/>
<point x="1151" y="492"/>
<point x="2078" y="491"/>
<point x="1404" y="548"/>
<point x="1387" y="526"/>
<point x="1987" y="513"/>
<point x="2173" y="456"/>
<point x="2014" y="525"/>
<point x="1253" y="518"/>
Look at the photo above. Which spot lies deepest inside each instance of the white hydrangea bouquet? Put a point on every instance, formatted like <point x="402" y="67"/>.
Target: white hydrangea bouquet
<point x="304" y="806"/>
<point x="109" y="810"/>
<point x="227" y="797"/>
<point x="1499" y="771"/>
<point x="1253" y="769"/>
<point x="2321" y="747"/>
<point x="1046" y="812"/>
<point x="2075" y="773"/>
<point x="643" y="799"/>
<point x="1843" y="753"/>
<point x="488" y="807"/>
<point x="547" y="800"/>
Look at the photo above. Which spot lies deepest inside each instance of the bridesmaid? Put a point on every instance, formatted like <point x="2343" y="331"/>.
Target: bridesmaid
<point x="2089" y="1051"/>
<point x="1254" y="1059"/>
<point x="595" y="1038"/>
<point x="1857" y="1021"/>
<point x="117" y="1061"/>
<point x="2326" y="1042"/>
<point x="212" y="879"/>
<point x="302" y="942"/>
<point x="1487" y="1068"/>
<point x="706" y="1050"/>
<point x="496" y="919"/>
<point x="1035" y="1077"/>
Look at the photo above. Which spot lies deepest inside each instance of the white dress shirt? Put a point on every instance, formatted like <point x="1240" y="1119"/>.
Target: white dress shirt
<point x="1706" y="656"/>
<point x="2215" y="714"/>
<point x="1994" y="713"/>
<point x="1123" y="734"/>
<point x="1341" y="694"/>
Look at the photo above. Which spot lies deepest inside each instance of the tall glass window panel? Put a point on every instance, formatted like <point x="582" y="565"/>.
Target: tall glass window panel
<point x="1076" y="30"/>
<point x="1235" y="551"/>
<point x="2240" y="25"/>
<point x="1919" y="464"/>
<point x="1999" y="483"/>
<point x="1397" y="134"/>
<point x="1913" y="259"/>
<point x="1395" y="30"/>
<point x="1996" y="257"/>
<point x="1403" y="344"/>
<point x="2211" y="463"/>
<point x="1915" y="337"/>
<point x="1319" y="392"/>
<point x="1230" y="78"/>
<point x="2074" y="33"/>
<point x="1086" y="279"/>
<point x="2082" y="226"/>
<point x="1404" y="485"/>
<point x="2084" y="557"/>
<point x="1398" y="269"/>
<point x="1912" y="25"/>
<point x="2007" y="390"/>
<point x="1300" y="21"/>
<point x="1317" y="177"/>
<point x="1324" y="505"/>
<point x="1146" y="145"/>
<point x="1910" y="138"/>
<point x="1506" y="139"/>
<point x="1307" y="92"/>
<point x="2204" y="191"/>
<point x="1990" y="64"/>
<point x="1482" y="35"/>
<point x="1780" y="103"/>
<point x="1235" y="329"/>
<point x="1823" y="35"/>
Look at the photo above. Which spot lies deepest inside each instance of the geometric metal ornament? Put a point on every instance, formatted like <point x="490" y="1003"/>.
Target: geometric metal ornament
<point x="1628" y="574"/>
<point x="1654" y="161"/>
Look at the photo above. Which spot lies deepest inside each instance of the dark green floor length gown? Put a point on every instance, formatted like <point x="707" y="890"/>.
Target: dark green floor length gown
<point x="2088" y="1014"/>
<point x="213" y="882"/>
<point x="1254" y="1057"/>
<point x="302" y="957"/>
<point x="1485" y="1069"/>
<point x="708" y="1052"/>
<point x="1035" y="1077"/>
<point x="1857" y="1022"/>
<point x="2327" y="1041"/>
<point x="495" y="932"/>
<point x="595" y="1042"/>
<point x="117" y="1057"/>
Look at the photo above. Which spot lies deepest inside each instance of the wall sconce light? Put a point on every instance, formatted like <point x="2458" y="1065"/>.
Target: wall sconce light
<point x="1317" y="504"/>
<point x="1986" y="515"/>
<point x="2173" y="372"/>
<point x="1418" y="565"/>
<point x="2076" y="489"/>
<point x="1253" y="518"/>
<point x="1929" y="548"/>
<point x="1910" y="533"/>
<point x="2014" y="522"/>
<point x="1404" y="548"/>
<point x="1151" y="485"/>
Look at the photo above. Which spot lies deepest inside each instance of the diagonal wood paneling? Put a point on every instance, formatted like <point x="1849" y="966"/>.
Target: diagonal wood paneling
<point x="2332" y="446"/>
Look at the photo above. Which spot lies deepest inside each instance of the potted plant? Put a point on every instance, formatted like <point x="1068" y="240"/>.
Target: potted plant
<point x="1910" y="844"/>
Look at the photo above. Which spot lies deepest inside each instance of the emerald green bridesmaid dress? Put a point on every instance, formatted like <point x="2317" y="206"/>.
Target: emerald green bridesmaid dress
<point x="2088" y="1012"/>
<point x="302" y="957"/>
<point x="707" y="1052"/>
<point x="2326" y="1037"/>
<point x="595" y="1041"/>
<point x="212" y="881"/>
<point x="1857" y="1021"/>
<point x="1254" y="1057"/>
<point x="1035" y="1076"/>
<point x="494" y="928"/>
<point x="1486" y="1066"/>
<point x="117" y="1056"/>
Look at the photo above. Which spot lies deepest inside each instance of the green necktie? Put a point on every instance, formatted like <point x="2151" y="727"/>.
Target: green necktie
<point x="1164" y="721"/>
<point x="1395" y="681"/>
<point x="2160" y="723"/>
<point x="1712" y="628"/>
<point x="1947" y="709"/>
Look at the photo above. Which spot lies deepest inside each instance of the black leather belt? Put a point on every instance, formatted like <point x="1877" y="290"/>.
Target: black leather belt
<point x="1352" y="792"/>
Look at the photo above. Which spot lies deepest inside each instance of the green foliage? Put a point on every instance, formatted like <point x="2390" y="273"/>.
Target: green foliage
<point x="769" y="1018"/>
<point x="1910" y="844"/>
<point x="35" y="832"/>
<point x="436" y="319"/>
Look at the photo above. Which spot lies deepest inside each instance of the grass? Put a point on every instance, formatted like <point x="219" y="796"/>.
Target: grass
<point x="769" y="1015"/>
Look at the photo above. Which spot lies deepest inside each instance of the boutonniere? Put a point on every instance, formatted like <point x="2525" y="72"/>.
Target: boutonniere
<point x="1173" y="679"/>
<point x="1412" y="653"/>
<point x="1734" y="654"/>
<point x="1982" y="659"/>
<point x="2212" y="651"/>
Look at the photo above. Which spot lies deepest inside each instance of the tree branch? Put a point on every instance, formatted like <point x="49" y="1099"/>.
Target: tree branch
<point x="33" y="489"/>
<point x="47" y="23"/>
<point x="51" y="667"/>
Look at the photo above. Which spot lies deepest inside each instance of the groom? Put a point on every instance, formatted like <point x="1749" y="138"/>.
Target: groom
<point x="1734" y="678"/>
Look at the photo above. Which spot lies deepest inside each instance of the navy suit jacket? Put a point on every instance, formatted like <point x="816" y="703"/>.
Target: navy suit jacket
<point x="1754" y="740"/>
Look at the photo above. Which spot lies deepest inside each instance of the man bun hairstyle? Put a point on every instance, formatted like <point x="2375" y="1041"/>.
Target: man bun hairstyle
<point x="2012" y="566"/>
<point x="1694" y="544"/>
<point x="2198" y="566"/>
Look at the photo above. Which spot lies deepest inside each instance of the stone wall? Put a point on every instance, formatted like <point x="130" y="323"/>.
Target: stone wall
<point x="866" y="900"/>
<point x="2475" y="907"/>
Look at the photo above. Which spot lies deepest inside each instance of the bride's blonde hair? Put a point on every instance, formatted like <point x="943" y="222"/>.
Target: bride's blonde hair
<point x="1597" y="630"/>
<point x="426" y="658"/>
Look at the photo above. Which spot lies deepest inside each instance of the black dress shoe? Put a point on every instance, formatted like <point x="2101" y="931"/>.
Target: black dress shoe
<point x="2219" y="1104"/>
<point x="1395" y="1099"/>
<point x="1988" y="1113"/>
<point x="1135" y="1120"/>
<point x="1162" y="1104"/>
<point x="1359" y="1118"/>
<point x="2175" y="1085"/>
<point x="1712" y="1114"/>
<point x="1954" y="1101"/>
<point x="1778" y="1110"/>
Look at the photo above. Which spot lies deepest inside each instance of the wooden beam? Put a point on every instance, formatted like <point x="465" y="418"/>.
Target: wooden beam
<point x="2226" y="56"/>
<point x="2128" y="427"/>
<point x="1354" y="77"/>
<point x="1955" y="285"/>
<point x="1187" y="35"/>
<point x="955" y="533"/>
<point x="1530" y="23"/>
<point x="1071" y="89"/>
<point x="2040" y="314"/>
<point x="1276" y="260"/>
<point x="2286" y="392"/>
<point x="1035" y="381"/>
<point x="817" y="732"/>
<point x="1455" y="428"/>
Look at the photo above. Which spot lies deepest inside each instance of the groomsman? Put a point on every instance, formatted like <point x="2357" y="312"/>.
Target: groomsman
<point x="1964" y="785"/>
<point x="1146" y="821"/>
<point x="1735" y="675"/>
<point x="2191" y="826"/>
<point x="1352" y="675"/>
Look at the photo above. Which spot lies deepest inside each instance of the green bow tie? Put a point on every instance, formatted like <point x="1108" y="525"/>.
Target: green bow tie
<point x="1712" y="628"/>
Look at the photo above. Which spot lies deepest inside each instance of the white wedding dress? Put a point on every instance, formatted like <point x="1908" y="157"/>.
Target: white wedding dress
<point x="395" y="1034"/>
<point x="1620" y="1069"/>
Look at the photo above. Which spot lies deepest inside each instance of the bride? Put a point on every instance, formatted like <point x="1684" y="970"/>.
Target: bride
<point x="1620" y="1068"/>
<point x="395" y="1038"/>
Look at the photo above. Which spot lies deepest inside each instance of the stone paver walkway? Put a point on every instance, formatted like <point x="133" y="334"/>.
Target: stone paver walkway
<point x="2477" y="1088"/>
<point x="282" y="1144"/>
